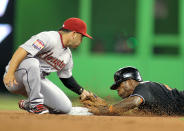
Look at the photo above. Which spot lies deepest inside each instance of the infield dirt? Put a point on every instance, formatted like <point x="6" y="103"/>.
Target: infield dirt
<point x="23" y="121"/>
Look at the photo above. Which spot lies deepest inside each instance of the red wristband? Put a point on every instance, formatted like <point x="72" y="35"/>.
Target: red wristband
<point x="110" y="108"/>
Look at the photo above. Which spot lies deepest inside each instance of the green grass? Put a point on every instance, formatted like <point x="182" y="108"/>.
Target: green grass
<point x="182" y="119"/>
<point x="9" y="102"/>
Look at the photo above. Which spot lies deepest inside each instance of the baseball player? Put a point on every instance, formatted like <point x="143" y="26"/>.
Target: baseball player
<point x="148" y="96"/>
<point x="42" y="54"/>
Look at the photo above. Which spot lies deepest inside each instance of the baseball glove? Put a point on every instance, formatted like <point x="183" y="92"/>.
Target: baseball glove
<point x="93" y="101"/>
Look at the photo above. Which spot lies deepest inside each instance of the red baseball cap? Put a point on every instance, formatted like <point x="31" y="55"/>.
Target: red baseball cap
<point x="76" y="24"/>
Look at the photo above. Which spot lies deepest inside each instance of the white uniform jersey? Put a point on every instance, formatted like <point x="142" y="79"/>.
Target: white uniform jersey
<point x="48" y="48"/>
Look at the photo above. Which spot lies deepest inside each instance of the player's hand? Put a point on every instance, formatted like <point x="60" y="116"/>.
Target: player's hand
<point x="9" y="80"/>
<point x="85" y="94"/>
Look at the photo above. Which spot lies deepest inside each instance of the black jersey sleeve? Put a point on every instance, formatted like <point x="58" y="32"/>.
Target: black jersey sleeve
<point x="71" y="84"/>
<point x="143" y="91"/>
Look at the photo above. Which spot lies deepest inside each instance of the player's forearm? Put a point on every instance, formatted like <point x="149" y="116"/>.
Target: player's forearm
<point x="123" y="107"/>
<point x="16" y="59"/>
<point x="71" y="84"/>
<point x="126" y="104"/>
<point x="116" y="109"/>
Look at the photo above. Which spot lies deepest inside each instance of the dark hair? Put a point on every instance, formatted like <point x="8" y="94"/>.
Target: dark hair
<point x="64" y="30"/>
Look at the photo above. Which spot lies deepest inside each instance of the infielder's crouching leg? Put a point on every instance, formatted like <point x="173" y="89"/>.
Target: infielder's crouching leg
<point x="54" y="98"/>
<point x="28" y="78"/>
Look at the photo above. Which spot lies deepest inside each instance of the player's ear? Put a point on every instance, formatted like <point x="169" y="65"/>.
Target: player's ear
<point x="74" y="34"/>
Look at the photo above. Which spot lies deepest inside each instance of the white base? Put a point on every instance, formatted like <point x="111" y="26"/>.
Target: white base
<point x="80" y="111"/>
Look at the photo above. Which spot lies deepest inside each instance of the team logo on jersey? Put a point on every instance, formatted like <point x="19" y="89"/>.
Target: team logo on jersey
<point x="53" y="61"/>
<point x="38" y="44"/>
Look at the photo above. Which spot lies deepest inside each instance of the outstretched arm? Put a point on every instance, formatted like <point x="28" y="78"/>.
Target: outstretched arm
<point x="71" y="84"/>
<point x="119" y="108"/>
<point x="126" y="104"/>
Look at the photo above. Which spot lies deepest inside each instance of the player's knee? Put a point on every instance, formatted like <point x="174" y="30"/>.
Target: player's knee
<point x="61" y="108"/>
<point x="33" y="65"/>
<point x="66" y="108"/>
<point x="17" y="90"/>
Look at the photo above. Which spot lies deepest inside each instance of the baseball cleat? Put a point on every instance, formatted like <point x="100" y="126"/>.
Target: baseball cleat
<point x="23" y="104"/>
<point x="39" y="109"/>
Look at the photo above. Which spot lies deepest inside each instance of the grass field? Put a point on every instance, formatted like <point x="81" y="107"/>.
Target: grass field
<point x="9" y="102"/>
<point x="9" y="113"/>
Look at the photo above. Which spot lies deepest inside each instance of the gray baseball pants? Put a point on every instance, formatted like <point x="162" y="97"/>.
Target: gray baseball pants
<point x="39" y="89"/>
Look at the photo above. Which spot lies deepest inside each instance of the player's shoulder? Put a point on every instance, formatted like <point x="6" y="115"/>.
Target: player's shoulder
<point x="48" y="33"/>
<point x="51" y="37"/>
<point x="68" y="51"/>
<point x="144" y="84"/>
<point x="149" y="85"/>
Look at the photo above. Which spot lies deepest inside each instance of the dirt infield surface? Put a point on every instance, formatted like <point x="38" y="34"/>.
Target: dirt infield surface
<point x="23" y="121"/>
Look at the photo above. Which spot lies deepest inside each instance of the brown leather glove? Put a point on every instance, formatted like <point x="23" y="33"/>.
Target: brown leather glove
<point x="93" y="101"/>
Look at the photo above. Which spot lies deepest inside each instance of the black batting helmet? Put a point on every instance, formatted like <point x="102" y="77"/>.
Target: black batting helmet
<point x="124" y="74"/>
